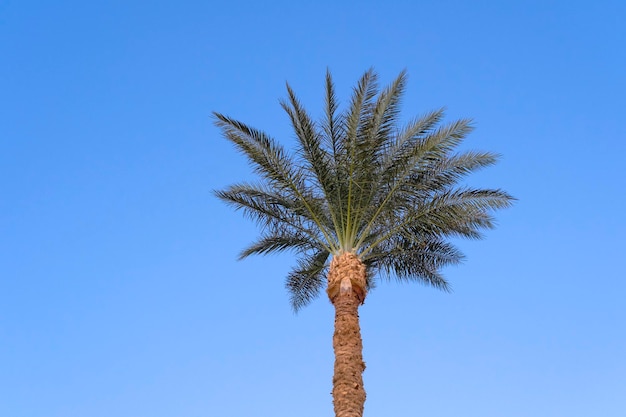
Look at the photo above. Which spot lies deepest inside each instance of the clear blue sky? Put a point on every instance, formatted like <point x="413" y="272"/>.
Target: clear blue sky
<point x="120" y="293"/>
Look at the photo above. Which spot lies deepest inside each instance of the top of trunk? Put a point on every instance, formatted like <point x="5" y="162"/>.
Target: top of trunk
<point x="346" y="273"/>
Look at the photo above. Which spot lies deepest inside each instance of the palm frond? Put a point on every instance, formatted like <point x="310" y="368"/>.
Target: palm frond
<point x="318" y="162"/>
<point x="273" y="163"/>
<point x="269" y="159"/>
<point x="306" y="280"/>
<point x="377" y="133"/>
<point x="416" y="260"/>
<point x="271" y="210"/>
<point x="279" y="241"/>
<point x="383" y="122"/>
<point x="431" y="179"/>
<point x="407" y="139"/>
<point x="424" y="151"/>
<point x="333" y="134"/>
<point x="332" y="123"/>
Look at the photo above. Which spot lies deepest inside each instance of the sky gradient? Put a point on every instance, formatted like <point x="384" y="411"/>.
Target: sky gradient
<point x="120" y="292"/>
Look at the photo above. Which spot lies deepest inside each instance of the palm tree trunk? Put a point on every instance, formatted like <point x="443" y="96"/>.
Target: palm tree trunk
<point x="346" y="290"/>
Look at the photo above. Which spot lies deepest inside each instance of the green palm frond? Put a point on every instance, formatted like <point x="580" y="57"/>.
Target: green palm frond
<point x="332" y="124"/>
<point x="279" y="241"/>
<point x="435" y="177"/>
<point x="411" y="260"/>
<point x="306" y="280"/>
<point x="269" y="159"/>
<point x="422" y="156"/>
<point x="273" y="164"/>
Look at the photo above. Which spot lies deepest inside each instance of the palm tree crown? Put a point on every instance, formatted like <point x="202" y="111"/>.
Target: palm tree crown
<point x="359" y="182"/>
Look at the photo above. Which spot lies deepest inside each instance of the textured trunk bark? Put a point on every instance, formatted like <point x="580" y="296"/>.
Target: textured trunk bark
<point x="346" y="290"/>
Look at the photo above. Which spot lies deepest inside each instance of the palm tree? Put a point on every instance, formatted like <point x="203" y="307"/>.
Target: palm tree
<point x="361" y="197"/>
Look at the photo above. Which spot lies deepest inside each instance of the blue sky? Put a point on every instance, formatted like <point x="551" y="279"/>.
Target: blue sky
<point x="120" y="293"/>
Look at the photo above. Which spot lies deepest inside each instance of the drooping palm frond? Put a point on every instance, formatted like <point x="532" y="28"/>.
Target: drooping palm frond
<point x="306" y="280"/>
<point x="359" y="181"/>
<point x="407" y="259"/>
